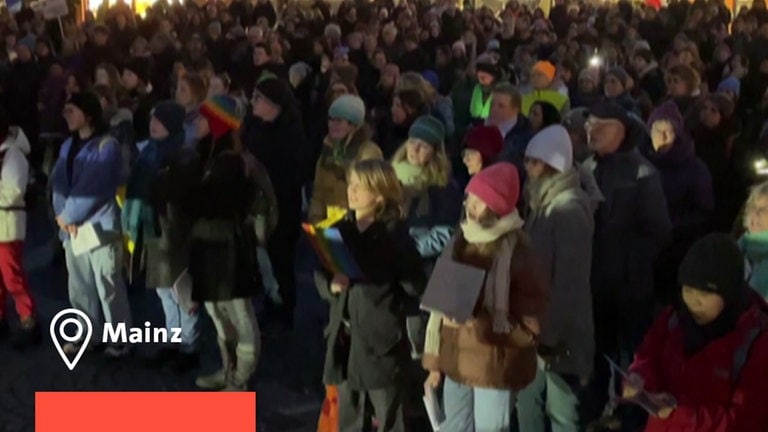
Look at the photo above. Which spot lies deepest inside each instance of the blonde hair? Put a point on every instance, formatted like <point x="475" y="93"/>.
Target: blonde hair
<point x="379" y="177"/>
<point x="438" y="169"/>
<point x="758" y="192"/>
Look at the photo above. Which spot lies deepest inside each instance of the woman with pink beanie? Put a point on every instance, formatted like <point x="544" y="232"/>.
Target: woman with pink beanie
<point x="491" y="356"/>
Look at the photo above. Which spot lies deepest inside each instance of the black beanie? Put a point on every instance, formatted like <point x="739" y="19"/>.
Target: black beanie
<point x="276" y="90"/>
<point x="171" y="115"/>
<point x="140" y="66"/>
<point x="89" y="104"/>
<point x="714" y="264"/>
<point x="488" y="68"/>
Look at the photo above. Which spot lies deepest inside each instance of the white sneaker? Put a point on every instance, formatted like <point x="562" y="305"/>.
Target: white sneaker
<point x="214" y="381"/>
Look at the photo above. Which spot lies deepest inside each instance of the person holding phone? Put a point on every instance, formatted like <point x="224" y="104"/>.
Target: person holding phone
<point x="706" y="357"/>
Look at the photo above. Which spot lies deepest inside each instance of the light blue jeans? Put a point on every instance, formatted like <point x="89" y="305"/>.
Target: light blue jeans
<point x="176" y="317"/>
<point x="475" y="409"/>
<point x="547" y="397"/>
<point x="96" y="286"/>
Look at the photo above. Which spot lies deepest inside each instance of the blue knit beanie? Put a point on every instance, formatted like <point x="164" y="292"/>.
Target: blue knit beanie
<point x="348" y="107"/>
<point x="428" y="129"/>
<point x="730" y="84"/>
<point x="432" y="78"/>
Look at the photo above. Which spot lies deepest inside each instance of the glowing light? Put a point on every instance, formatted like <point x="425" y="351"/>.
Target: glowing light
<point x="761" y="167"/>
<point x="595" y="61"/>
<point x="94" y="5"/>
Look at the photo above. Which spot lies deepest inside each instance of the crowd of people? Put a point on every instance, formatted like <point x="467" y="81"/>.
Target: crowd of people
<point x="603" y="166"/>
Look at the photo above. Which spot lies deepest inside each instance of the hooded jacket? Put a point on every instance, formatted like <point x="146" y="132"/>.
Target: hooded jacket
<point x="14" y="176"/>
<point x="560" y="223"/>
<point x="686" y="180"/>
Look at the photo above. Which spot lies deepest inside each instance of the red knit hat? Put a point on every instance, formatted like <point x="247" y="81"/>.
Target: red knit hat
<point x="498" y="186"/>
<point x="487" y="141"/>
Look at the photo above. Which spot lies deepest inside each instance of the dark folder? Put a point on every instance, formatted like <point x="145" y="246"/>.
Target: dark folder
<point x="453" y="289"/>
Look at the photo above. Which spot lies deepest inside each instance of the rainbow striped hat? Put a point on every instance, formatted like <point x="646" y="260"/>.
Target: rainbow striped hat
<point x="221" y="113"/>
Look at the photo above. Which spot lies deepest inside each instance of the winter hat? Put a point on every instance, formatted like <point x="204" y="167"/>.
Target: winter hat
<point x="428" y="129"/>
<point x="552" y="145"/>
<point x="459" y="45"/>
<point x="88" y="103"/>
<point x="546" y="68"/>
<point x="486" y="140"/>
<point x="641" y="45"/>
<point x="730" y="84"/>
<point x="221" y="113"/>
<point x="621" y="75"/>
<point x="431" y="77"/>
<point x="610" y="111"/>
<point x="348" y="107"/>
<point x="171" y="115"/>
<point x="670" y="112"/>
<point x="498" y="186"/>
<point x="487" y="66"/>
<point x="590" y="74"/>
<point x="275" y="90"/>
<point x="140" y="67"/>
<point x="714" y="264"/>
<point x="332" y="31"/>
<point x="576" y="118"/>
<point x="299" y="70"/>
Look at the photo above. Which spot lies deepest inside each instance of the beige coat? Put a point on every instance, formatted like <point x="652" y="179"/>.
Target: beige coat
<point x="330" y="187"/>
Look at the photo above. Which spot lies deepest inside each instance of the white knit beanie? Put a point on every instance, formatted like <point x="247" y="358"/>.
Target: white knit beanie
<point x="552" y="145"/>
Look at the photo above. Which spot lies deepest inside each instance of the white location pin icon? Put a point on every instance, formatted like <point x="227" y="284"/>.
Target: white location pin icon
<point x="58" y="327"/>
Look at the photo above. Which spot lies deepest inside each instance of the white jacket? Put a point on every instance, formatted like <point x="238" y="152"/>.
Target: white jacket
<point x="14" y="177"/>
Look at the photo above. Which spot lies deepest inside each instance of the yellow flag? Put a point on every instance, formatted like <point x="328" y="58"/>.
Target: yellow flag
<point x="334" y="214"/>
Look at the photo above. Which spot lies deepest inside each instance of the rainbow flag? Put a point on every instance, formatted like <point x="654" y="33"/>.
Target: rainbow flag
<point x="333" y="253"/>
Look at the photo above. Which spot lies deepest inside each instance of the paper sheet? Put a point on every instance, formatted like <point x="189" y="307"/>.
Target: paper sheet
<point x="85" y="240"/>
<point x="434" y="411"/>
<point x="182" y="290"/>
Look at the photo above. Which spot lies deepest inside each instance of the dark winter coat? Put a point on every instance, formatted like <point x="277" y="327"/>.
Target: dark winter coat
<point x="222" y="260"/>
<point x="167" y="256"/>
<point x="631" y="224"/>
<point x="366" y="337"/>
<point x="433" y="217"/>
<point x="687" y="185"/>
<point x="560" y="223"/>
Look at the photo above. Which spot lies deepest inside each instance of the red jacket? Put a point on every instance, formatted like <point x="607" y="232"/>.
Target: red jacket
<point x="709" y="399"/>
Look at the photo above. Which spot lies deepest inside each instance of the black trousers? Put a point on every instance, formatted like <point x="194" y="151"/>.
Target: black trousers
<point x="282" y="252"/>
<point x="387" y="406"/>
